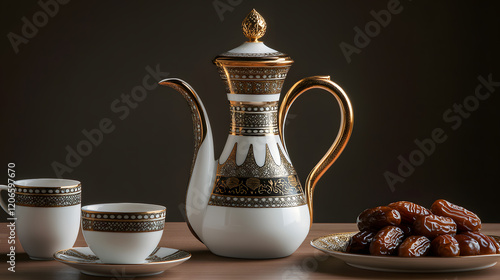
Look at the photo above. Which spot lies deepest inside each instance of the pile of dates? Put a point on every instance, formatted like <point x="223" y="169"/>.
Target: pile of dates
<point x="407" y="229"/>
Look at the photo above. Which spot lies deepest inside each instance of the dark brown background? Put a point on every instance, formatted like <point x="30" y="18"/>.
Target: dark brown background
<point x="427" y="59"/>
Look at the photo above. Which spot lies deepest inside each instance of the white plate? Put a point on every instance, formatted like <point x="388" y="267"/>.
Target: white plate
<point x="83" y="259"/>
<point x="336" y="244"/>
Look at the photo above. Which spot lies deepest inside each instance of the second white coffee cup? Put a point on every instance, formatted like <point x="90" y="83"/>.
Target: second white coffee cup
<point x="123" y="233"/>
<point x="47" y="214"/>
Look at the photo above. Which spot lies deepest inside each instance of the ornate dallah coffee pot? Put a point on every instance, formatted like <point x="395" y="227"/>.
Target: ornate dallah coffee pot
<point x="249" y="203"/>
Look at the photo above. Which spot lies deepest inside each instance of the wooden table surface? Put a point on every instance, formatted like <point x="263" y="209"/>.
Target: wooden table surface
<point x="305" y="263"/>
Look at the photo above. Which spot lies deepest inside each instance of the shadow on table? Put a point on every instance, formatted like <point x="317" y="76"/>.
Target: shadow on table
<point x="22" y="257"/>
<point x="26" y="268"/>
<point x="196" y="255"/>
<point x="208" y="256"/>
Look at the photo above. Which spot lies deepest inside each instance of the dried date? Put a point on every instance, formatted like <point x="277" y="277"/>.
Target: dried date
<point x="431" y="226"/>
<point x="374" y="219"/>
<point x="468" y="245"/>
<point x="409" y="210"/>
<point x="360" y="242"/>
<point x="486" y="246"/>
<point x="414" y="246"/>
<point x="466" y="220"/>
<point x="495" y="242"/>
<point x="445" y="246"/>
<point x="386" y="241"/>
<point x="407" y="229"/>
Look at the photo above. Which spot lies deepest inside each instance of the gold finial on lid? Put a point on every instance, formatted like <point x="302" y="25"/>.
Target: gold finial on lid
<point x="254" y="26"/>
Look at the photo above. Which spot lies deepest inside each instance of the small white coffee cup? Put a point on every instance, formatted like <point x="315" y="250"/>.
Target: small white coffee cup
<point x="47" y="213"/>
<point x="123" y="233"/>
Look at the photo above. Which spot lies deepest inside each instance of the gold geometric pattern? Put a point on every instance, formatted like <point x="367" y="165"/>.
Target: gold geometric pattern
<point x="174" y="256"/>
<point x="47" y="191"/>
<point x="134" y="216"/>
<point x="254" y="26"/>
<point x="49" y="200"/>
<point x="257" y="186"/>
<point x="250" y="185"/>
<point x="122" y="226"/>
<point x="155" y="257"/>
<point x="123" y="221"/>
<point x="48" y="197"/>
<point x="253" y="80"/>
<point x="253" y="87"/>
<point x="333" y="242"/>
<point x="259" y="55"/>
<point x="80" y="255"/>
<point x="252" y="73"/>
<point x="258" y="202"/>
<point x="253" y="120"/>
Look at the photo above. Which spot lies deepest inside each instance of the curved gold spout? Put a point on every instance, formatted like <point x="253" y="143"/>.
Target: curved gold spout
<point x="202" y="171"/>
<point x="346" y="125"/>
<point x="194" y="102"/>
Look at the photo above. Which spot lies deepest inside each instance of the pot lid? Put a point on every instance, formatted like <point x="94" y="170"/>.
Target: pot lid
<point x="254" y="27"/>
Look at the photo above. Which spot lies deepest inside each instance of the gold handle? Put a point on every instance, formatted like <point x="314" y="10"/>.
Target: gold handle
<point x="346" y="124"/>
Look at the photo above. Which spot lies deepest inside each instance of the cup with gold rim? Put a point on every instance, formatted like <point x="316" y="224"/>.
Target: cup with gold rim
<point x="123" y="233"/>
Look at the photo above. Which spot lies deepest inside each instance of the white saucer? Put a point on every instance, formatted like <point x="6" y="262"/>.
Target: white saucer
<point x="83" y="259"/>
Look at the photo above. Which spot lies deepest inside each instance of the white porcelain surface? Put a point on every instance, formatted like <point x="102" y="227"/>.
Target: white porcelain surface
<point x="122" y="247"/>
<point x="400" y="264"/>
<point x="258" y="143"/>
<point x="47" y="182"/>
<point x="202" y="179"/>
<point x="83" y="259"/>
<point x="43" y="231"/>
<point x="123" y="207"/>
<point x="255" y="233"/>
<point x="253" y="97"/>
<point x="242" y="232"/>
<point x="252" y="47"/>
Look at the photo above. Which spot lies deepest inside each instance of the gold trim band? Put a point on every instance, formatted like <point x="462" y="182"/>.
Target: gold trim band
<point x="49" y="200"/>
<point x="123" y="226"/>
<point x="121" y="216"/>
<point x="22" y="190"/>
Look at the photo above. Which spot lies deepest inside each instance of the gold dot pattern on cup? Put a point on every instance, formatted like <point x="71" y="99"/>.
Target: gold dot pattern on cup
<point x="123" y="216"/>
<point x="123" y="226"/>
<point x="41" y="190"/>
<point x="48" y="197"/>
<point x="123" y="222"/>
